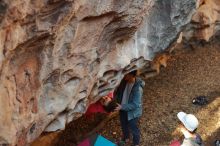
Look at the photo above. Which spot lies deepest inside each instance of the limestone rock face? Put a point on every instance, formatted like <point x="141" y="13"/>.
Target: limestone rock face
<point x="58" y="56"/>
<point x="205" y="22"/>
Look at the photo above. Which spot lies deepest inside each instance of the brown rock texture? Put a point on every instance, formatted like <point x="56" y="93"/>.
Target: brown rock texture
<point x="58" y="56"/>
<point x="205" y="22"/>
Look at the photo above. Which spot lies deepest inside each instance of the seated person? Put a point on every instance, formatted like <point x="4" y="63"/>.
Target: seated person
<point x="188" y="127"/>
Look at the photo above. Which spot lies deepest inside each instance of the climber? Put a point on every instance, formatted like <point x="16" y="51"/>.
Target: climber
<point x="99" y="106"/>
<point x="188" y="127"/>
<point x="129" y="97"/>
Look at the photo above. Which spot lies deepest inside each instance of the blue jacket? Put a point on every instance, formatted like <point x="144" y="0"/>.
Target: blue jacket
<point x="134" y="105"/>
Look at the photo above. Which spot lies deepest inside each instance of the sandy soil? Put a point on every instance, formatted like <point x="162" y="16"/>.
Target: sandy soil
<point x="190" y="73"/>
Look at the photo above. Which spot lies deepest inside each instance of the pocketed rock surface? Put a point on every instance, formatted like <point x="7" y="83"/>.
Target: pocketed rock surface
<point x="59" y="56"/>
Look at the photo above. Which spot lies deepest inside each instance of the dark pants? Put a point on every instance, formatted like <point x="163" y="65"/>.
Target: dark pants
<point x="130" y="125"/>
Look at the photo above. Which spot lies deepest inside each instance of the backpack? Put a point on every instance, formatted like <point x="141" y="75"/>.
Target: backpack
<point x="200" y="100"/>
<point x="217" y="143"/>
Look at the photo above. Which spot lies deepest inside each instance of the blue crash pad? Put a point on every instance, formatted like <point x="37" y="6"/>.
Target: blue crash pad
<point x="101" y="141"/>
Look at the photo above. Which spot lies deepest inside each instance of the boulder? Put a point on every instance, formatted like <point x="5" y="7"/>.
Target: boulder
<point x="58" y="56"/>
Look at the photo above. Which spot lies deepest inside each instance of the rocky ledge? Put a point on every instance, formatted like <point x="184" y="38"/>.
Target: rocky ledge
<point x="58" y="56"/>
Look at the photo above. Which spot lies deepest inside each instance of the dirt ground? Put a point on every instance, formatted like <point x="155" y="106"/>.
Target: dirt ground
<point x="190" y="73"/>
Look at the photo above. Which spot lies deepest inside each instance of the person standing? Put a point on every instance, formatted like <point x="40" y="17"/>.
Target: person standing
<point x="129" y="98"/>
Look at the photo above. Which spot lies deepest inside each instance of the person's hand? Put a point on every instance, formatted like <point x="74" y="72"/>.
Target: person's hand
<point x="118" y="108"/>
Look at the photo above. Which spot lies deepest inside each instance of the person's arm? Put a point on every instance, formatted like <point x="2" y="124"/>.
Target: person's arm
<point x="136" y="100"/>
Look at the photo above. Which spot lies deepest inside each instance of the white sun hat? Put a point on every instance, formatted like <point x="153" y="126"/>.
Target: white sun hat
<point x="188" y="120"/>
